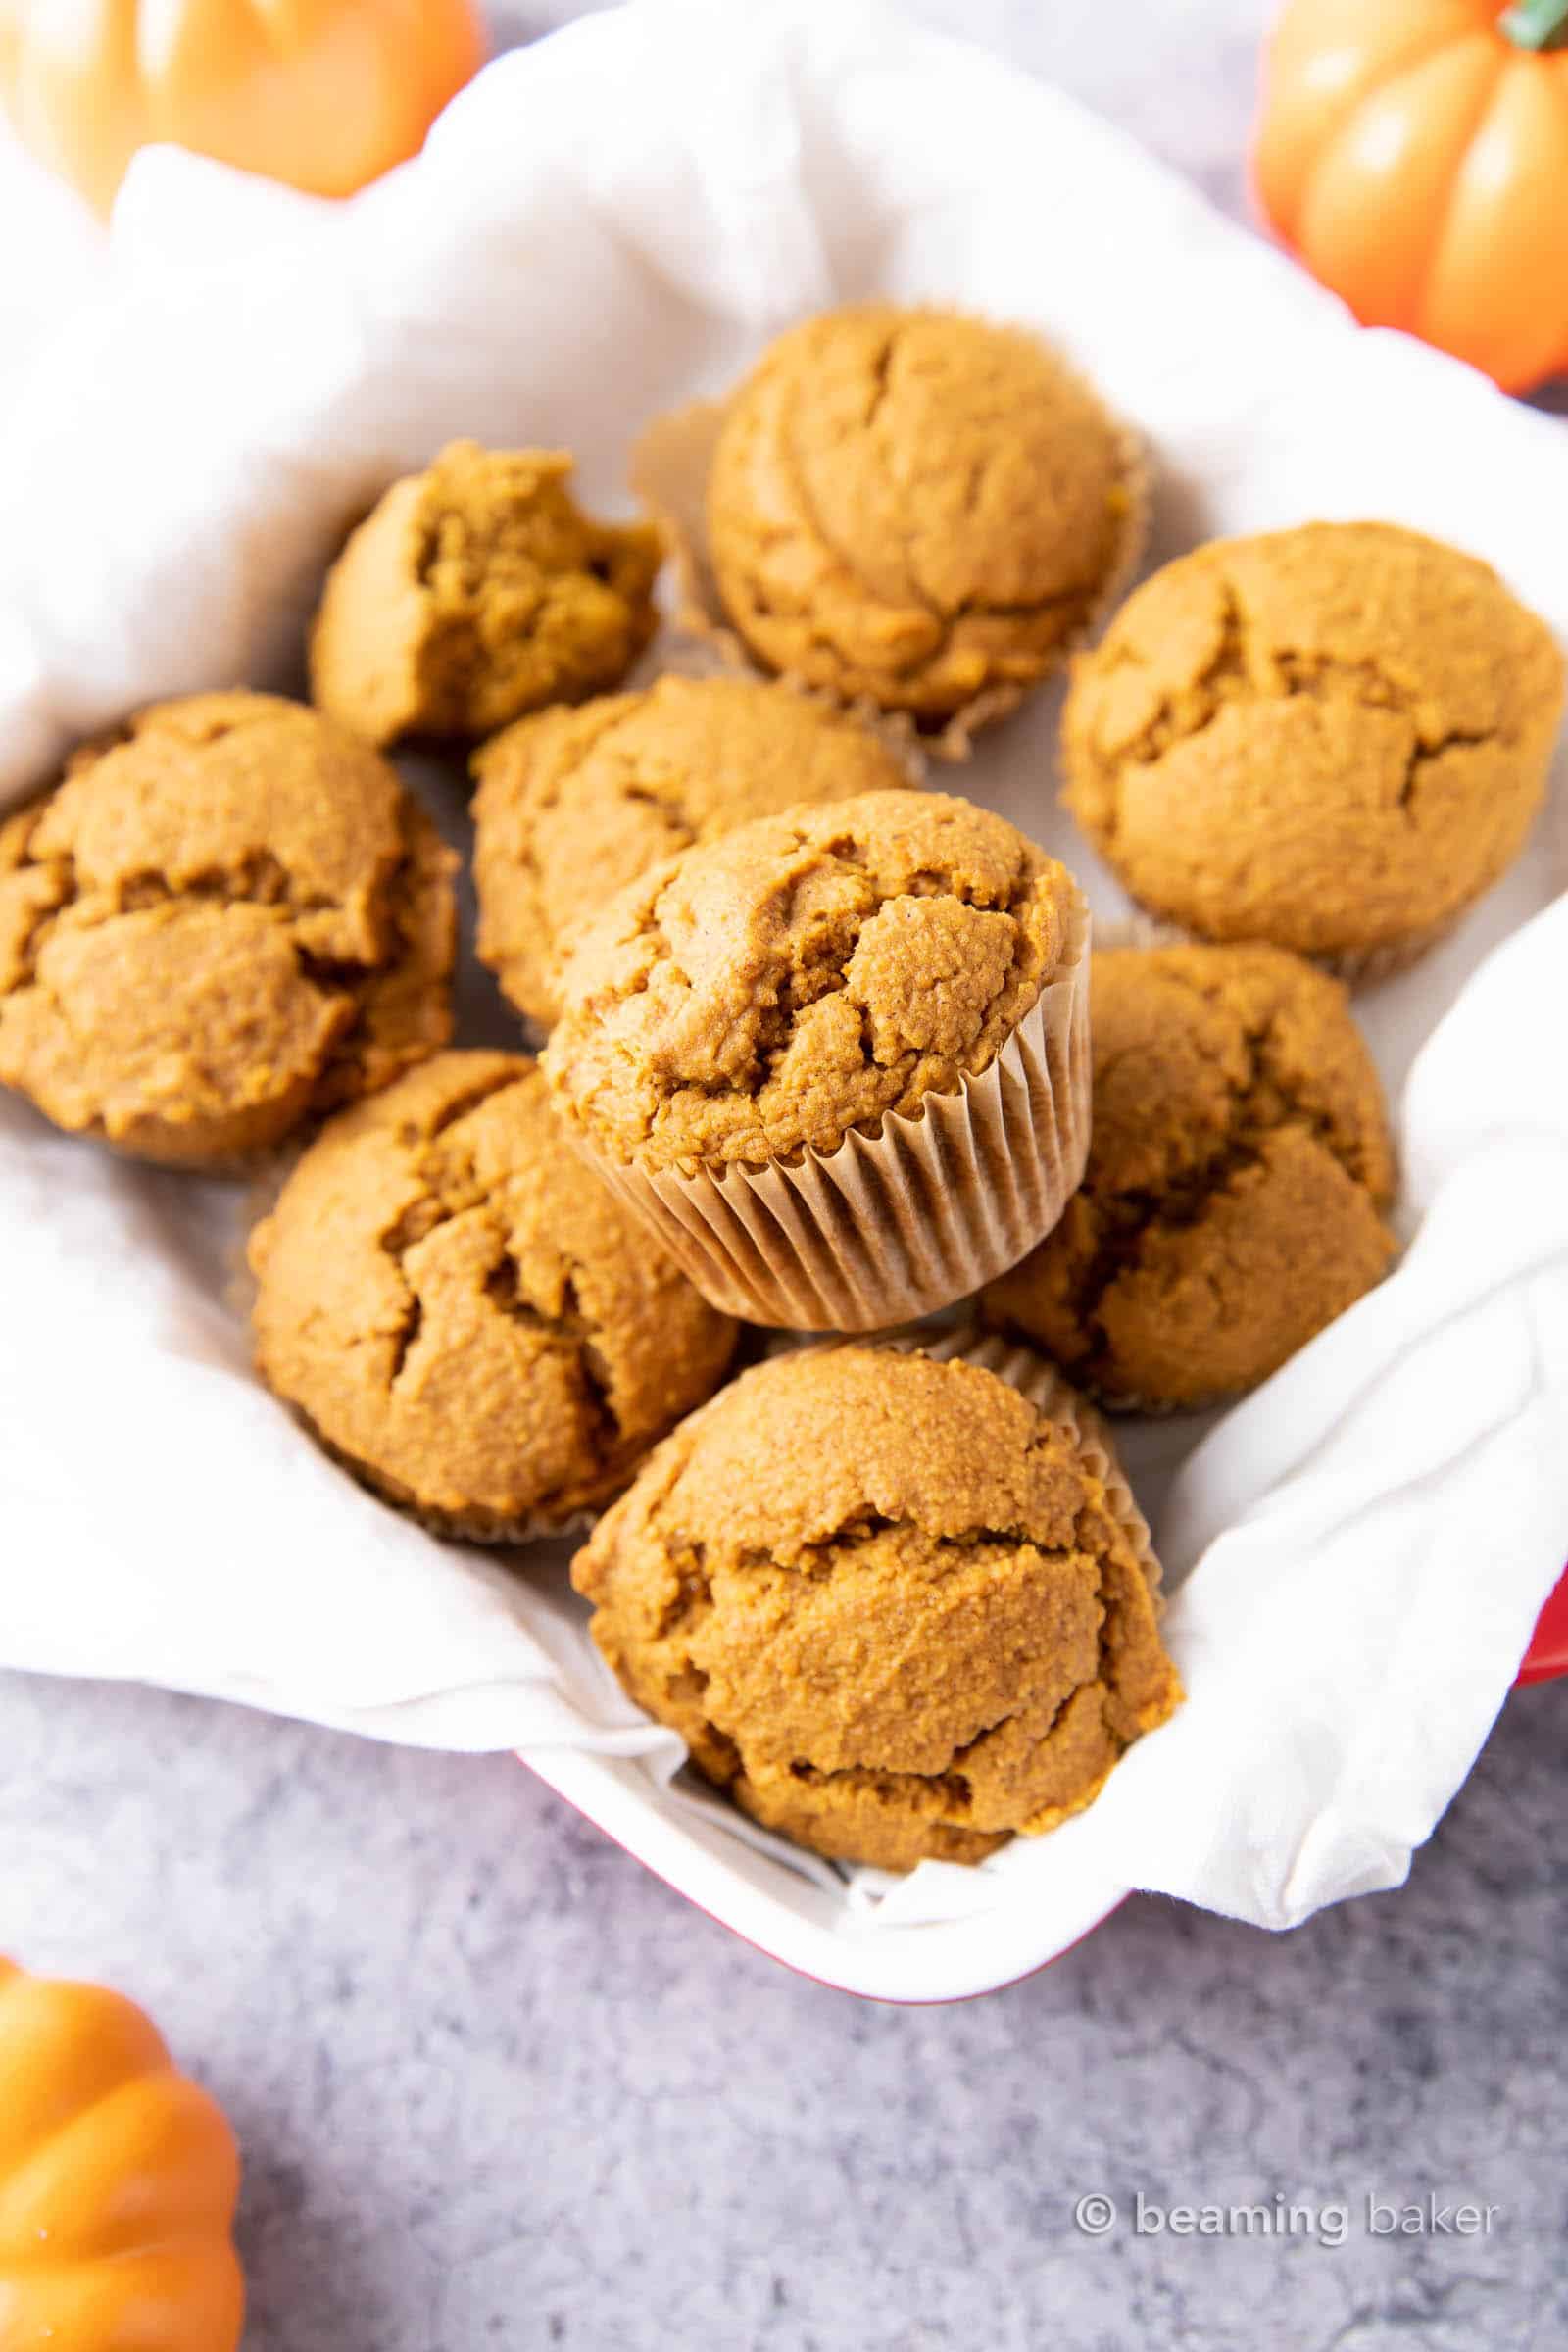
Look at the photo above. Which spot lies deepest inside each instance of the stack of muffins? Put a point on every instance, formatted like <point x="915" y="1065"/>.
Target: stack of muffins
<point x="819" y="1049"/>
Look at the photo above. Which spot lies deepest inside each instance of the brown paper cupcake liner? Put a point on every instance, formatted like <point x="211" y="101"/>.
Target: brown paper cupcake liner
<point x="1363" y="967"/>
<point x="1358" y="967"/>
<point x="537" y="1528"/>
<point x="1140" y="931"/>
<point x="1121" y="1405"/>
<point x="680" y="652"/>
<point x="889" y="1227"/>
<point x="669" y="467"/>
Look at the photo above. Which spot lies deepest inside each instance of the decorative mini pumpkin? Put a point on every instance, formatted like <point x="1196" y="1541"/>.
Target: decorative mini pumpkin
<point x="118" y="2181"/>
<point x="1414" y="153"/>
<point x="325" y="95"/>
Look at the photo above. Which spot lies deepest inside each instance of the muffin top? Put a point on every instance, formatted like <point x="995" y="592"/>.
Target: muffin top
<point x="914" y="507"/>
<point x="806" y="974"/>
<point x="1239" y="1162"/>
<point x="466" y="1314"/>
<point x="230" y="916"/>
<point x="886" y="1602"/>
<point x="1331" y="738"/>
<point x="475" y="592"/>
<point x="574" y="803"/>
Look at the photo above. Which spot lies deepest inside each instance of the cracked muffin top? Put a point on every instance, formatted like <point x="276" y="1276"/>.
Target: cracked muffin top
<point x="574" y="803"/>
<point x="475" y="592"/>
<point x="886" y="1602"/>
<point x="1331" y="738"/>
<point x="1238" y="1164"/>
<point x="226" y="919"/>
<point x="914" y="507"/>
<point x="465" y="1315"/>
<point x="806" y="974"/>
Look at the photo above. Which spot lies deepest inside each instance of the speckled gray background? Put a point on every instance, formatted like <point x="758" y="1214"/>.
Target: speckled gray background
<point x="497" y="2087"/>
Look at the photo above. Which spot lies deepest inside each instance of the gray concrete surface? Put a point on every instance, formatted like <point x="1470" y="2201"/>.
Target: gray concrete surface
<point x="496" y="2085"/>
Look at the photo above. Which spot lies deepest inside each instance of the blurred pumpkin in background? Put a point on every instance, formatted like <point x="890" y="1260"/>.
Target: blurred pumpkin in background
<point x="325" y="94"/>
<point x="1414" y="153"/>
<point x="118" y="2181"/>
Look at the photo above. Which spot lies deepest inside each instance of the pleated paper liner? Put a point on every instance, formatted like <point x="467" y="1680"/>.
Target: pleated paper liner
<point x="1358" y="967"/>
<point x="1364" y="968"/>
<point x="678" y="651"/>
<point x="1113" y="931"/>
<point x="1137" y="930"/>
<point x="891" y="1226"/>
<point x="669" y="467"/>
<point x="535" y="1528"/>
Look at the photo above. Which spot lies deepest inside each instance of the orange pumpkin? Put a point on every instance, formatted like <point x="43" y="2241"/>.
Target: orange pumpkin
<point x="325" y="95"/>
<point x="118" y="2181"/>
<point x="1414" y="153"/>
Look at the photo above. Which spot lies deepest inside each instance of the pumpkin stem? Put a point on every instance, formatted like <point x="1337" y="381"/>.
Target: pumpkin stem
<point x="1536" y="23"/>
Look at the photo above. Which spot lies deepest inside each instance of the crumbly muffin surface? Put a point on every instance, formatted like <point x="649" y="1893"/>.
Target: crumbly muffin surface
<point x="806" y="974"/>
<point x="914" y="507"/>
<point x="226" y="919"/>
<point x="1238" y="1164"/>
<point x="478" y="591"/>
<point x="574" y="803"/>
<point x="1333" y="738"/>
<point x="465" y="1314"/>
<point x="885" y="1605"/>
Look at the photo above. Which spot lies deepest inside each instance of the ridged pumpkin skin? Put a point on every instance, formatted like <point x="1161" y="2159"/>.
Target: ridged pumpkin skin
<point x="117" y="2181"/>
<point x="1416" y="159"/>
<point x="325" y="94"/>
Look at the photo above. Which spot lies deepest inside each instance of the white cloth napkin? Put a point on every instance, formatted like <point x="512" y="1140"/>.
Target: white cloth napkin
<point x="599" y="228"/>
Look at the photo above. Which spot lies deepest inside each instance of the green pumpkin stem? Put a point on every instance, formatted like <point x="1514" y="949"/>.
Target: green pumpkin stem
<point x="1536" y="23"/>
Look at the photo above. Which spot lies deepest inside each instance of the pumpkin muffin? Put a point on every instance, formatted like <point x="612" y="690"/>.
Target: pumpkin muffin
<point x="1239" y="1166"/>
<point x="917" y="509"/>
<point x="478" y="591"/>
<point x="888" y="1603"/>
<point x="464" y="1316"/>
<point x="1333" y="738"/>
<point x="226" y="919"/>
<point x="838" y="1058"/>
<point x="574" y="803"/>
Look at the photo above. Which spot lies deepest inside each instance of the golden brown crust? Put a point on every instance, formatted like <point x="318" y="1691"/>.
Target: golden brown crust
<point x="886" y="1603"/>
<point x="228" y="919"/>
<point x="1334" y="738"/>
<point x="574" y="803"/>
<point x="1239" y="1162"/>
<point x="462" y="1312"/>
<point x="804" y="975"/>
<point x="403" y="1012"/>
<point x="478" y="591"/>
<point x="913" y="506"/>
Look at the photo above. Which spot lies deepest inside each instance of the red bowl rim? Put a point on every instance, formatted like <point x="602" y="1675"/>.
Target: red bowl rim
<point x="1544" y="1660"/>
<point x="1547" y="1654"/>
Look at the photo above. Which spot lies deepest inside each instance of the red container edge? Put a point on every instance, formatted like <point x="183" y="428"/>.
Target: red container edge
<point x="1547" y="1654"/>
